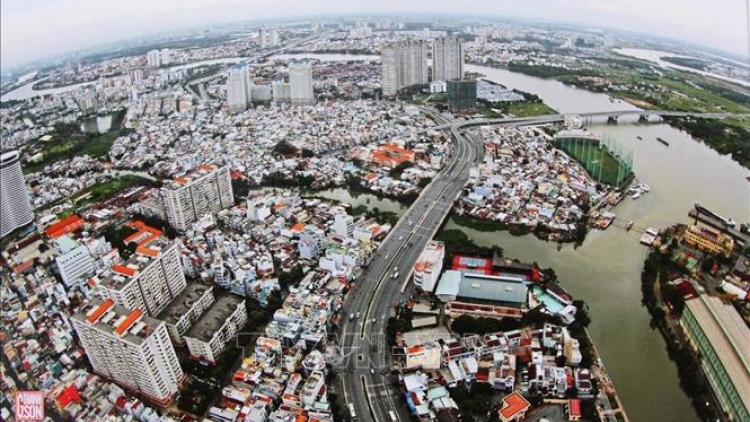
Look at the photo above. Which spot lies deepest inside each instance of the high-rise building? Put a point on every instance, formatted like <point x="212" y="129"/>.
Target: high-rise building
<point x="268" y="38"/>
<point x="165" y="57"/>
<point x="404" y="63"/>
<point x="130" y="348"/>
<point x="156" y="58"/>
<point x="281" y="91"/>
<point x="447" y="59"/>
<point x="151" y="278"/>
<point x="220" y="324"/>
<point x="239" y="91"/>
<point x="74" y="262"/>
<point x="462" y="94"/>
<point x="205" y="190"/>
<point x="153" y="58"/>
<point x="15" y="205"/>
<point x="301" y="83"/>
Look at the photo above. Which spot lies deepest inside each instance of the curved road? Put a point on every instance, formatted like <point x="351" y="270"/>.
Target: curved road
<point x="366" y="376"/>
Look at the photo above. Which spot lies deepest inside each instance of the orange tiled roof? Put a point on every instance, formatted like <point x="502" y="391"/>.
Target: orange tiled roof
<point x="123" y="326"/>
<point x="100" y="310"/>
<point x="513" y="404"/>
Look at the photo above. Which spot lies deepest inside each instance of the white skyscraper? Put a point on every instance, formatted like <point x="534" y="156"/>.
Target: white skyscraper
<point x="156" y="58"/>
<point x="404" y="64"/>
<point x="238" y="91"/>
<point x="301" y="83"/>
<point x="205" y="190"/>
<point x="130" y="348"/>
<point x="165" y="57"/>
<point x="447" y="59"/>
<point x="15" y="205"/>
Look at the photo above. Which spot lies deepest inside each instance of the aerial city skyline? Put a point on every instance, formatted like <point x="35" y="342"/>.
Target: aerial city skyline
<point x="266" y="212"/>
<point x="678" y="20"/>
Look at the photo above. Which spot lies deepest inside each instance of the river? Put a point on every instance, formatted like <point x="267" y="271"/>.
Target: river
<point x="605" y="270"/>
<point x="27" y="91"/>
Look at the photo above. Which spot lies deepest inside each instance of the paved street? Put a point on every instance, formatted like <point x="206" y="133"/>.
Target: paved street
<point x="363" y="339"/>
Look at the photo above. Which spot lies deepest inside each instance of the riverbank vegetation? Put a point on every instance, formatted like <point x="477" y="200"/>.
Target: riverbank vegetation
<point x="636" y="82"/>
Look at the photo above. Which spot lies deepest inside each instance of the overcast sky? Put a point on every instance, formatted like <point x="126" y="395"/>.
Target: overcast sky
<point x="33" y="29"/>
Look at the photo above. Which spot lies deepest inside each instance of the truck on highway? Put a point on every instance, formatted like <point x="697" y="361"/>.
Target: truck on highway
<point x="352" y="413"/>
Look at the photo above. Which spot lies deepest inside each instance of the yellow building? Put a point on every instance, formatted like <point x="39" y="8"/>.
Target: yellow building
<point x="709" y="240"/>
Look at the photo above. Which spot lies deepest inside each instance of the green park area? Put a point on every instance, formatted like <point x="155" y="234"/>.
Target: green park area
<point x="106" y="190"/>
<point x="69" y="141"/>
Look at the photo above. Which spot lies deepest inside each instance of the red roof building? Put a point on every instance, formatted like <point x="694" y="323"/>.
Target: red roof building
<point x="65" y="226"/>
<point x="391" y="155"/>
<point x="514" y="407"/>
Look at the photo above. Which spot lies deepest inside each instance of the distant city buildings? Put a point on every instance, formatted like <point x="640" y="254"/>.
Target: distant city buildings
<point x="131" y="348"/>
<point x="239" y="88"/>
<point x="447" y="59"/>
<point x="205" y="190"/>
<point x="157" y="58"/>
<point x="301" y="83"/>
<point x="15" y="205"/>
<point x="268" y="38"/>
<point x="404" y="64"/>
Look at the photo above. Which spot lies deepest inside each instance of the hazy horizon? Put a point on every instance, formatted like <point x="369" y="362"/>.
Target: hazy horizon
<point x="93" y="26"/>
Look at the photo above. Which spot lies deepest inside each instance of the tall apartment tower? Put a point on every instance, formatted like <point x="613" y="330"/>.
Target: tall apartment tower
<point x="15" y="205"/>
<point x="447" y="59"/>
<point x="149" y="280"/>
<point x="130" y="348"/>
<point x="404" y="64"/>
<point x="301" y="83"/>
<point x="205" y="190"/>
<point x="239" y="93"/>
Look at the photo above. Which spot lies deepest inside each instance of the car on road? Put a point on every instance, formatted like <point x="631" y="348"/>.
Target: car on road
<point x="372" y="371"/>
<point x="395" y="275"/>
<point x="351" y="317"/>
<point x="401" y="237"/>
<point x="358" y="315"/>
<point x="386" y="256"/>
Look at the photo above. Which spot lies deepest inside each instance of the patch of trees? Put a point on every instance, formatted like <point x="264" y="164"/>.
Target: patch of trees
<point x="397" y="171"/>
<point x="475" y="402"/>
<point x="197" y="397"/>
<point x="284" y="148"/>
<point x="687" y="62"/>
<point x="544" y="71"/>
